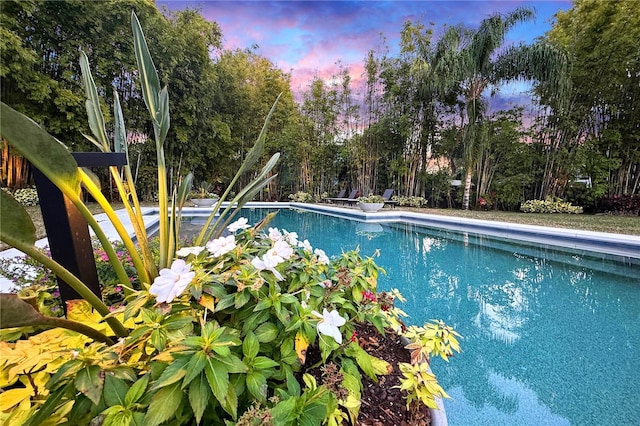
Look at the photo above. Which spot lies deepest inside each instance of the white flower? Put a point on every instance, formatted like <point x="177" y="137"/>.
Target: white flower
<point x="221" y="245"/>
<point x="291" y="237"/>
<point x="281" y="249"/>
<point x="241" y="223"/>
<point x="322" y="256"/>
<point x="269" y="263"/>
<point x="171" y="282"/>
<point x="186" y="251"/>
<point x="329" y="323"/>
<point x="274" y="234"/>
<point x="306" y="246"/>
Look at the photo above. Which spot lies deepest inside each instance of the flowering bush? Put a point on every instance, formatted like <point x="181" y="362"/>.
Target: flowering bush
<point x="27" y="197"/>
<point x="410" y="201"/>
<point x="550" y="205"/>
<point x="301" y="197"/>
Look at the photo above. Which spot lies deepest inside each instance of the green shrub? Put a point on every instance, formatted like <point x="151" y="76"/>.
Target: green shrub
<point x="550" y="205"/>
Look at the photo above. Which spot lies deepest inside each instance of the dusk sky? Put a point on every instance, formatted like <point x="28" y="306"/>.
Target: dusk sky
<point x="307" y="38"/>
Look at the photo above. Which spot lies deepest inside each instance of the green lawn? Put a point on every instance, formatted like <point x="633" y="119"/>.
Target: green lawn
<point x="602" y="223"/>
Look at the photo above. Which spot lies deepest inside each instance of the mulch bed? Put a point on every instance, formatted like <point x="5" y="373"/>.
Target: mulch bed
<point x="382" y="404"/>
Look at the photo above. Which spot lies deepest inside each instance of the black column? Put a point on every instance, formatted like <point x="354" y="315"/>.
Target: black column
<point x="67" y="230"/>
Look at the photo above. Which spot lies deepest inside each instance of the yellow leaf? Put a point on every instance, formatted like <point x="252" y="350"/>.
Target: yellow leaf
<point x="381" y="366"/>
<point x="302" y="343"/>
<point x="13" y="397"/>
<point x="40" y="380"/>
<point x="208" y="301"/>
<point x="18" y="415"/>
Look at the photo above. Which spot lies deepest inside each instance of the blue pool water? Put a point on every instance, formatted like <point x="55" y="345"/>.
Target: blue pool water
<point x="550" y="337"/>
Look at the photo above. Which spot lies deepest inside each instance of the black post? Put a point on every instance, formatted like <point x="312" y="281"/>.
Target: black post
<point x="67" y="230"/>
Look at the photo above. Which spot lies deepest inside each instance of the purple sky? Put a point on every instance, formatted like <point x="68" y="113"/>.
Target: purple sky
<point x="307" y="38"/>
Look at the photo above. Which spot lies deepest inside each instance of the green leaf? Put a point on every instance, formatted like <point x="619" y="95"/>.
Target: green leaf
<point x="69" y="368"/>
<point x="315" y="412"/>
<point x="250" y="346"/>
<point x="148" y="75"/>
<point x="293" y="386"/>
<point x="263" y="304"/>
<point x="90" y="382"/>
<point x="230" y="404"/>
<point x="241" y="299"/>
<point x="267" y="332"/>
<point x="136" y="391"/>
<point x="41" y="149"/>
<point x="218" y="378"/>
<point x="285" y="411"/>
<point x="119" y="131"/>
<point x="199" y="396"/>
<point x="174" y="372"/>
<point x="194" y="367"/>
<point x="115" y="390"/>
<point x="234" y="364"/>
<point x="257" y="385"/>
<point x="119" y="418"/>
<point x="263" y="363"/>
<point x="15" y="223"/>
<point x="221" y="350"/>
<point x="163" y="115"/>
<point x="94" y="112"/>
<point x="371" y="365"/>
<point x="225" y="302"/>
<point x="81" y="412"/>
<point x="158" y="339"/>
<point x="164" y="405"/>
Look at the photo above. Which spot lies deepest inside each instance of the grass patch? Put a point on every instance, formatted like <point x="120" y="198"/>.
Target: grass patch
<point x="601" y="223"/>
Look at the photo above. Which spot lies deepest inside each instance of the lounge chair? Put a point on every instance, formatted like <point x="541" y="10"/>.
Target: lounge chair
<point x="340" y="196"/>
<point x="350" y="199"/>
<point x="353" y="197"/>
<point x="387" y="198"/>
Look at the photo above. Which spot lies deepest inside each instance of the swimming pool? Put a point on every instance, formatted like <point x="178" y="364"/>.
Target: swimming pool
<point x="551" y="336"/>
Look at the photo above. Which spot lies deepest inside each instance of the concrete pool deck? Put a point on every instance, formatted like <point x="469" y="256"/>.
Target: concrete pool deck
<point x="622" y="246"/>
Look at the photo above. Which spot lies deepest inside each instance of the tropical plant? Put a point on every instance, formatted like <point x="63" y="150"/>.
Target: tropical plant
<point x="203" y="191"/>
<point x="472" y="62"/>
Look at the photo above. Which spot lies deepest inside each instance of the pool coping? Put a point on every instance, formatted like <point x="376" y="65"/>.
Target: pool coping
<point x="623" y="245"/>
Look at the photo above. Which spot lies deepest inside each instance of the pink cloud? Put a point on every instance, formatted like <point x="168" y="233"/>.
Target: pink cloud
<point x="307" y="38"/>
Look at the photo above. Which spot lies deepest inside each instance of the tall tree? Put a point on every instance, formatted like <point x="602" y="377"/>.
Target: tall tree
<point x="476" y="61"/>
<point x="602" y="38"/>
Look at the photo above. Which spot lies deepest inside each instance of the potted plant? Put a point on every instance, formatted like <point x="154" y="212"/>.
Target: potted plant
<point x="203" y="197"/>
<point x="371" y="203"/>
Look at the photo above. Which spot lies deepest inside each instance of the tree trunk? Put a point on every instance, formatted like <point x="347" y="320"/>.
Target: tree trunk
<point x="467" y="189"/>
